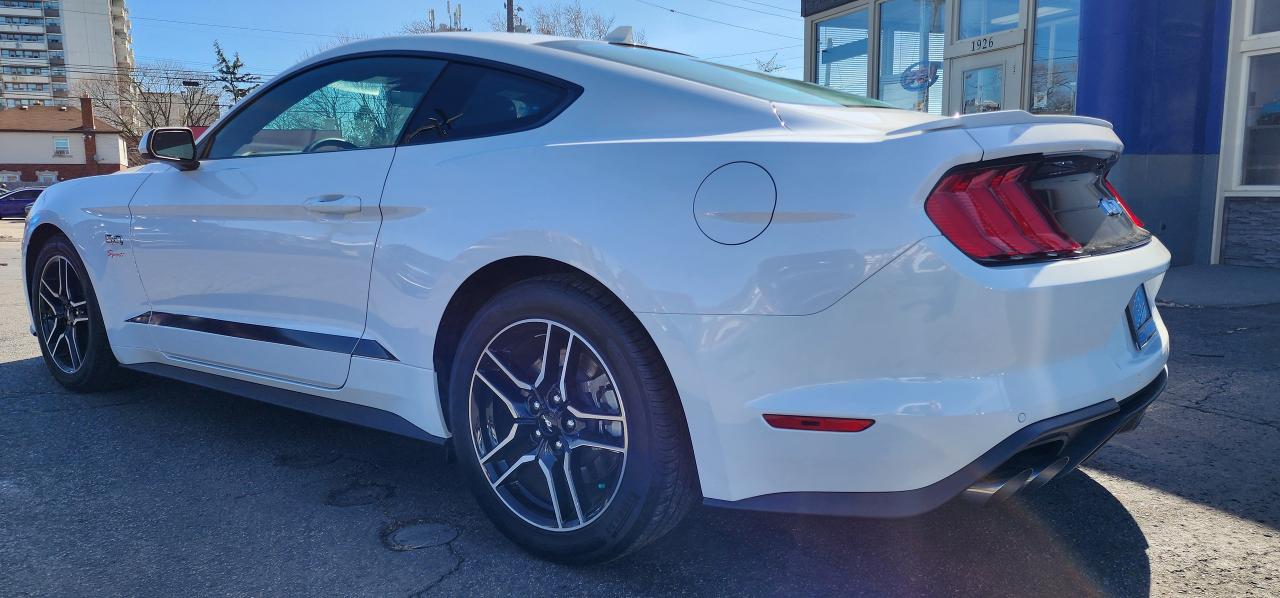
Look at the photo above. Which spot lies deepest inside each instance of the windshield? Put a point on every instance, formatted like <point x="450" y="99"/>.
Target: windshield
<point x="759" y="85"/>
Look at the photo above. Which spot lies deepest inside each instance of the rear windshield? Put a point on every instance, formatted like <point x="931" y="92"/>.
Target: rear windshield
<point x="759" y="85"/>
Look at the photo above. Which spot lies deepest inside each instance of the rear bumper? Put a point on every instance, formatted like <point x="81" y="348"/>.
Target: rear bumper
<point x="1031" y="457"/>
<point x="948" y="357"/>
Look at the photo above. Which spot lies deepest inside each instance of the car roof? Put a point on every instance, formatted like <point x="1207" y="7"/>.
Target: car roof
<point x="528" y="50"/>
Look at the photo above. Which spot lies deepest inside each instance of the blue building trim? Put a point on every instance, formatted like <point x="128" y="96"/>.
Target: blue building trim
<point x="1157" y="70"/>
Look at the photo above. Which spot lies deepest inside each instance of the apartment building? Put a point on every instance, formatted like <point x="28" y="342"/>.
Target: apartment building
<point x="48" y="46"/>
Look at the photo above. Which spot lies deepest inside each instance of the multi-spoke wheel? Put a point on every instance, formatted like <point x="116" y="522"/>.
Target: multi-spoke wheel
<point x="567" y="423"/>
<point x="63" y="314"/>
<point x="547" y="424"/>
<point x="72" y="337"/>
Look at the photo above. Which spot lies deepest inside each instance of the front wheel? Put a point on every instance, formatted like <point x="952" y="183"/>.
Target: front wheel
<point x="567" y="424"/>
<point x="72" y="336"/>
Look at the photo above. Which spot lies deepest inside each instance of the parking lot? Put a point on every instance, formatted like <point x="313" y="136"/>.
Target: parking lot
<point x="168" y="489"/>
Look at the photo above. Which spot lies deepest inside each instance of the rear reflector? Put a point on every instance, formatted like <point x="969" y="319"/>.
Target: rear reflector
<point x="818" y="424"/>
<point x="991" y="213"/>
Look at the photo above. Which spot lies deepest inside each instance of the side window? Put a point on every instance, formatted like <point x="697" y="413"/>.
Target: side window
<point x="474" y="101"/>
<point x="361" y="103"/>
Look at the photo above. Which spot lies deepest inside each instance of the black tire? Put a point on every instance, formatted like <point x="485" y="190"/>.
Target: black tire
<point x="658" y="482"/>
<point x="98" y="370"/>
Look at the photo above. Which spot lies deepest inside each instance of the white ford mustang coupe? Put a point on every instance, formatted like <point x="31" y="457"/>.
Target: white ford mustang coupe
<point x="616" y="280"/>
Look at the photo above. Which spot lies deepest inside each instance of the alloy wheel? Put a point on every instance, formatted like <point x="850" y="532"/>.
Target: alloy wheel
<point x="63" y="311"/>
<point x="548" y="425"/>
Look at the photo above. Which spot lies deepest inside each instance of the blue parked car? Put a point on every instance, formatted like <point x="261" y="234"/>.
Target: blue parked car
<point x="14" y="204"/>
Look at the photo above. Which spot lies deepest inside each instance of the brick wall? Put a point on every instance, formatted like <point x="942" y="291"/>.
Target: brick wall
<point x="1251" y="232"/>
<point x="65" y="171"/>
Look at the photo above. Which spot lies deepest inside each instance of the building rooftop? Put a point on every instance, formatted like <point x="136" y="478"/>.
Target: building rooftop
<point x="47" y="119"/>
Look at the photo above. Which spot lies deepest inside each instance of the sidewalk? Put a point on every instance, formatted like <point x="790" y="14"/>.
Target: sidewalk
<point x="1220" y="286"/>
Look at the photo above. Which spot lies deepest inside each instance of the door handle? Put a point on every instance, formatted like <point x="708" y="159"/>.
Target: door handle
<point x="333" y="204"/>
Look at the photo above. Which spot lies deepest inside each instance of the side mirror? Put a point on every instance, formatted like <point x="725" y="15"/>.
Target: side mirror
<point x="176" y="146"/>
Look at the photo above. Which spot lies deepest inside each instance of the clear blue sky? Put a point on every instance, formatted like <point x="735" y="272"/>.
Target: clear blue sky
<point x="155" y="39"/>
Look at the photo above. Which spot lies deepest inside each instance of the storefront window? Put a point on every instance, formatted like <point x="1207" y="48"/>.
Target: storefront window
<point x="982" y="17"/>
<point x="1262" y="122"/>
<point x="842" y="53"/>
<point x="1055" y="62"/>
<point x="912" y="41"/>
<point x="1266" y="16"/>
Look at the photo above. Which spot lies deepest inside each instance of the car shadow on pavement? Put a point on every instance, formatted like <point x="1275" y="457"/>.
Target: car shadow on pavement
<point x="1071" y="537"/>
<point x="240" y="475"/>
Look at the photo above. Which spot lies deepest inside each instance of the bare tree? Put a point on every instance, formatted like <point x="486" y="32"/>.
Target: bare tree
<point x="769" y="66"/>
<point x="152" y="96"/>
<point x="340" y="39"/>
<point x="564" y="18"/>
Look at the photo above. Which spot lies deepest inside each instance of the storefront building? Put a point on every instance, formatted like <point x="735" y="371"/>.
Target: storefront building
<point x="1192" y="87"/>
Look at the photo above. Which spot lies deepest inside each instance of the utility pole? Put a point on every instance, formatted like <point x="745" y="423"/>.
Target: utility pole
<point x="511" y="16"/>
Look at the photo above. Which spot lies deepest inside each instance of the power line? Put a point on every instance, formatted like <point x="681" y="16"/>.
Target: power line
<point x="779" y="61"/>
<point x="788" y="8"/>
<point x="726" y="23"/>
<point x="126" y="70"/>
<point x="755" y="10"/>
<point x="214" y="25"/>
<point x="753" y="52"/>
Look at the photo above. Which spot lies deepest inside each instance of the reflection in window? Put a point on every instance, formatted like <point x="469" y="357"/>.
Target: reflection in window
<point x="474" y="101"/>
<point x="983" y="90"/>
<point x="981" y="17"/>
<point x="359" y="112"/>
<point x="1266" y="16"/>
<point x="842" y="53"/>
<point x="356" y="104"/>
<point x="1262" y="122"/>
<point x="912" y="40"/>
<point x="1055" y="64"/>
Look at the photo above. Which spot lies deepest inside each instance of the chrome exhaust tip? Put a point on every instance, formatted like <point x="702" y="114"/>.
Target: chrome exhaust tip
<point x="991" y="491"/>
<point x="1044" y="476"/>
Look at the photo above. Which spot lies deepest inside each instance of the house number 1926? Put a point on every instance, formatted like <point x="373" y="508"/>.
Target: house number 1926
<point x="982" y="43"/>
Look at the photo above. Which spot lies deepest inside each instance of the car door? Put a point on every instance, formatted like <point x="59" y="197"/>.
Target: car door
<point x="257" y="263"/>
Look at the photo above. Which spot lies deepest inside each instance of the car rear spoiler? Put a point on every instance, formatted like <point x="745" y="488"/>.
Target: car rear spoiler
<point x="996" y="119"/>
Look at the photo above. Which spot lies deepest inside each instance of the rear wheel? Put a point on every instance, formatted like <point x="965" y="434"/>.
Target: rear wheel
<point x="72" y="336"/>
<point x="567" y="424"/>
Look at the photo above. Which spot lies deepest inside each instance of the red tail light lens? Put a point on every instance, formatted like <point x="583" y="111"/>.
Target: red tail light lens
<point x="1116" y="194"/>
<point x="992" y="214"/>
<point x="818" y="424"/>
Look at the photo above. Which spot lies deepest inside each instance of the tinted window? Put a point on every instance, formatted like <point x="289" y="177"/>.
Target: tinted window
<point x="759" y="85"/>
<point x="356" y="104"/>
<point x="474" y="101"/>
<point x="25" y="195"/>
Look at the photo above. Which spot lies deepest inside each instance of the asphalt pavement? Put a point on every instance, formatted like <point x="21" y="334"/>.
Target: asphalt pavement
<point x="166" y="489"/>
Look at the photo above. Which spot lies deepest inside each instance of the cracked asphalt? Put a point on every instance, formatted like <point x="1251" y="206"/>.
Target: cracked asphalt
<point x="166" y="489"/>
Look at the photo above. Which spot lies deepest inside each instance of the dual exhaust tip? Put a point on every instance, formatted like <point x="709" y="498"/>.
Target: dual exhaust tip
<point x="1000" y="486"/>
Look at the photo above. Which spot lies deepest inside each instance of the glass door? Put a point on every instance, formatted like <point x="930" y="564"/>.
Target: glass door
<point x="986" y="82"/>
<point x="986" y="54"/>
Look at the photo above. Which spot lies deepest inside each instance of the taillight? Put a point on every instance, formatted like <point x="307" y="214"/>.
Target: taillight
<point x="1116" y="194"/>
<point x="991" y="214"/>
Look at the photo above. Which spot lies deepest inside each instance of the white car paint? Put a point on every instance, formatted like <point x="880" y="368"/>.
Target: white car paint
<point x="848" y="303"/>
